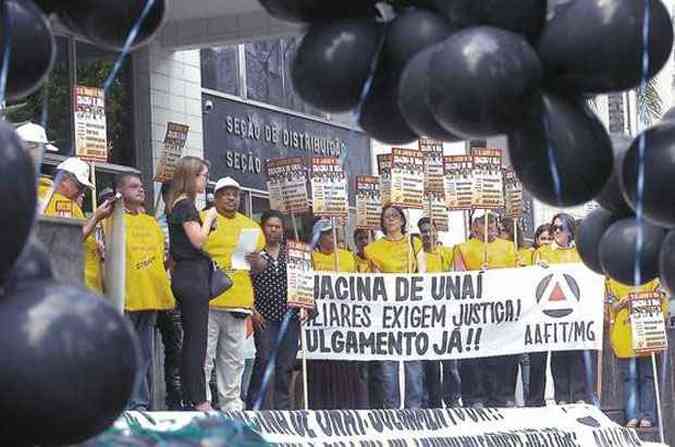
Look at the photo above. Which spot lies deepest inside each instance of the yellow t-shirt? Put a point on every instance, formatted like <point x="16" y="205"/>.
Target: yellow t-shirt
<point x="362" y="264"/>
<point x="326" y="263"/>
<point x="439" y="260"/>
<point x="220" y="246"/>
<point x="388" y="256"/>
<point x="62" y="206"/>
<point x="621" y="336"/>
<point x="525" y="256"/>
<point x="500" y="254"/>
<point x="552" y="254"/>
<point x="147" y="283"/>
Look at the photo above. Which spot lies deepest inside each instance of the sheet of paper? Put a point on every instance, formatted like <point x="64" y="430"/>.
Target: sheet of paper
<point x="247" y="244"/>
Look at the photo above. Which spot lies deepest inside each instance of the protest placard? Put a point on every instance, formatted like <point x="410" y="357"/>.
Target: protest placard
<point x="172" y="150"/>
<point x="300" y="275"/>
<point x="384" y="163"/>
<point x="368" y="203"/>
<point x="458" y="175"/>
<point x="287" y="185"/>
<point x="432" y="151"/>
<point x="91" y="135"/>
<point x="513" y="195"/>
<point x="436" y="209"/>
<point x="455" y="315"/>
<point x="407" y="178"/>
<point x="647" y="322"/>
<point x="488" y="181"/>
<point x="329" y="187"/>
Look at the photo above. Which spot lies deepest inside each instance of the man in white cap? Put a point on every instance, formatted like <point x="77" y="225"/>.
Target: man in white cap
<point x="61" y="199"/>
<point x="228" y="312"/>
<point x="35" y="141"/>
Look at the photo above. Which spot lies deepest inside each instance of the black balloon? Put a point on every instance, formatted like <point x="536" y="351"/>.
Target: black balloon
<point x="596" y="46"/>
<point x="525" y="17"/>
<point x="319" y="10"/>
<point x="410" y="33"/>
<point x="380" y="115"/>
<point x="618" y="251"/>
<point x="334" y="62"/>
<point x="611" y="196"/>
<point x="581" y="149"/>
<point x="18" y="197"/>
<point x="33" y="264"/>
<point x="659" y="165"/>
<point x="667" y="262"/>
<point x="588" y="237"/>
<point x="108" y="23"/>
<point x="32" y="48"/>
<point x="482" y="81"/>
<point x="69" y="362"/>
<point x="413" y="98"/>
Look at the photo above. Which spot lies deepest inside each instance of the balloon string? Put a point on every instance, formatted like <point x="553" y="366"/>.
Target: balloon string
<point x="637" y="274"/>
<point x="131" y="37"/>
<point x="553" y="165"/>
<point x="6" y="50"/>
<point x="271" y="363"/>
<point x="373" y="71"/>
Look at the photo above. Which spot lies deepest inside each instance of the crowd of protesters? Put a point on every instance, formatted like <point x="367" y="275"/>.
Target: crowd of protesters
<point x="170" y="260"/>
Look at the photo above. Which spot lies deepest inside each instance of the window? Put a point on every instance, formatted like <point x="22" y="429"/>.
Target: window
<point x="220" y="69"/>
<point x="264" y="72"/>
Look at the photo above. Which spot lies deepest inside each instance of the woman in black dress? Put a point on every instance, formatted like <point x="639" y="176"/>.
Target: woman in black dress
<point x="190" y="278"/>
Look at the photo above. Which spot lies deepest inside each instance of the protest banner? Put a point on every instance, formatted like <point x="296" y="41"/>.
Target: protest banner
<point x="458" y="176"/>
<point x="300" y="275"/>
<point x="329" y="187"/>
<point x="384" y="163"/>
<point x="91" y="135"/>
<point x="488" y="181"/>
<point x="407" y="178"/>
<point x="513" y="195"/>
<point x="455" y="315"/>
<point x="647" y="322"/>
<point x="287" y="185"/>
<point x="553" y="426"/>
<point x="368" y="203"/>
<point x="172" y="150"/>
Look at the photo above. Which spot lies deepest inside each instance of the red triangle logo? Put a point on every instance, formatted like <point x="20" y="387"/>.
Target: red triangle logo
<point x="557" y="294"/>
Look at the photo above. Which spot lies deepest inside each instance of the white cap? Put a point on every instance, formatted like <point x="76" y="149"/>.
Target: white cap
<point x="227" y="182"/>
<point x="78" y="168"/>
<point x="32" y="133"/>
<point x="51" y="148"/>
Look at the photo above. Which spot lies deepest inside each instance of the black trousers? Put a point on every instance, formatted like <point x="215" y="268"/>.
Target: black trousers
<point x="536" y="393"/>
<point x="569" y="377"/>
<point x="171" y="331"/>
<point x="190" y="285"/>
<point x="489" y="381"/>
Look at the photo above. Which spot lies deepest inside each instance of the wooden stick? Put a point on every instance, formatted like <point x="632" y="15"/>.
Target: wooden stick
<point x="335" y="246"/>
<point x="93" y="191"/>
<point x="485" y="238"/>
<point x="295" y="227"/>
<point x="657" y="390"/>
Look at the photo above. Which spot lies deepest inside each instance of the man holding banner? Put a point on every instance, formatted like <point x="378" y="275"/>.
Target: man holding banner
<point x="446" y="386"/>
<point x="487" y="381"/>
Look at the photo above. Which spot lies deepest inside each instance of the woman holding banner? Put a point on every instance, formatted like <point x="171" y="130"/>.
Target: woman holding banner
<point x="397" y="253"/>
<point x="572" y="370"/>
<point x="638" y="377"/>
<point x="333" y="384"/>
<point x="190" y="278"/>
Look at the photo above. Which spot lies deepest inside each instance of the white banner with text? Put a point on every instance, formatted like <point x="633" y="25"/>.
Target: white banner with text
<point x="455" y="315"/>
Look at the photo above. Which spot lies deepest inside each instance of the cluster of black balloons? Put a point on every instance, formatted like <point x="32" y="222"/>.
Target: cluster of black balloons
<point x="27" y="34"/>
<point x="69" y="358"/>
<point x="608" y="238"/>
<point x="461" y="69"/>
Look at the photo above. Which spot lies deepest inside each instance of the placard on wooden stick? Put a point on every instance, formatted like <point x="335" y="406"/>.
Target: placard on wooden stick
<point x="91" y="135"/>
<point x="407" y="178"/>
<point x="329" y="187"/>
<point x="458" y="179"/>
<point x="384" y="164"/>
<point x="648" y="324"/>
<point x="172" y="150"/>
<point x="435" y="206"/>
<point x="368" y="203"/>
<point x="513" y="195"/>
<point x="287" y="185"/>
<point x="488" y="181"/>
<point x="300" y="275"/>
